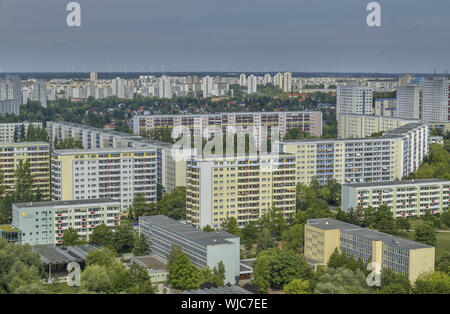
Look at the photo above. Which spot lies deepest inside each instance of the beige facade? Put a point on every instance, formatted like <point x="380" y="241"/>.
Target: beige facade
<point x="243" y="187"/>
<point x="324" y="235"/>
<point x="359" y="126"/>
<point x="11" y="154"/>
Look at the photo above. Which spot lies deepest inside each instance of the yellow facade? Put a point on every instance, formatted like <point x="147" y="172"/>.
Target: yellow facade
<point x="11" y="154"/>
<point x="244" y="188"/>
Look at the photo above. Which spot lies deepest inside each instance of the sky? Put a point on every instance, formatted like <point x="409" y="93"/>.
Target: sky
<point x="225" y="35"/>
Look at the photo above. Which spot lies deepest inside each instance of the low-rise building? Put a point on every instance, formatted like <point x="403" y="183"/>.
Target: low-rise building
<point x="44" y="223"/>
<point x="205" y="249"/>
<point x="324" y="235"/>
<point x="405" y="198"/>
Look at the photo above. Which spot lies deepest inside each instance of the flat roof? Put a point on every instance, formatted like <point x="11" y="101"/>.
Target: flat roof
<point x="8" y="228"/>
<point x="188" y="232"/>
<point x="102" y="150"/>
<point x="149" y="261"/>
<point x="331" y="224"/>
<point x="403" y="182"/>
<point x="62" y="203"/>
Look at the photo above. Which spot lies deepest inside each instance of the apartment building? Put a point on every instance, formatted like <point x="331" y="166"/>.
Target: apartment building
<point x="354" y="99"/>
<point x="116" y="173"/>
<point x="171" y="172"/>
<point x="9" y="130"/>
<point x="409" y="101"/>
<point x="244" y="187"/>
<point x="390" y="157"/>
<point x="44" y="223"/>
<point x="358" y="126"/>
<point x="38" y="154"/>
<point x="436" y="100"/>
<point x="323" y="236"/>
<point x="256" y="122"/>
<point x="205" y="249"/>
<point x="405" y="198"/>
<point x="385" y="107"/>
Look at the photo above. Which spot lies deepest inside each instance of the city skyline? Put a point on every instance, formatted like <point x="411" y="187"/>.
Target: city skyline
<point x="295" y="36"/>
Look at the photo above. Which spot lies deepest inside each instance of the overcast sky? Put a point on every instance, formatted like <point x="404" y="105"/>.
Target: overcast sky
<point x="225" y="35"/>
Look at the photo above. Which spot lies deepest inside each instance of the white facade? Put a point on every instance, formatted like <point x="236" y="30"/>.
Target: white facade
<point x="252" y="84"/>
<point x="409" y="101"/>
<point x="436" y="100"/>
<point x="354" y="99"/>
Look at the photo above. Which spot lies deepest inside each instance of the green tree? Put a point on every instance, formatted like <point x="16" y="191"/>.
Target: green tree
<point x="96" y="278"/>
<point x="208" y="228"/>
<point x="391" y="281"/>
<point x="102" y="235"/>
<point x="230" y="225"/>
<point x="141" y="247"/>
<point x="342" y="281"/>
<point x="443" y="263"/>
<point x="403" y="224"/>
<point x="140" y="281"/>
<point x="265" y="240"/>
<point x="102" y="257"/>
<point x="20" y="267"/>
<point x="139" y="206"/>
<point x="426" y="234"/>
<point x="293" y="238"/>
<point x="297" y="286"/>
<point x="337" y="260"/>
<point x="183" y="274"/>
<point x="123" y="238"/>
<point x="70" y="237"/>
<point x="24" y="183"/>
<point x="275" y="268"/>
<point x="432" y="283"/>
<point x="172" y="255"/>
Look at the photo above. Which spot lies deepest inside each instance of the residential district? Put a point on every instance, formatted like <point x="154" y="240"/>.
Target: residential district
<point x="251" y="183"/>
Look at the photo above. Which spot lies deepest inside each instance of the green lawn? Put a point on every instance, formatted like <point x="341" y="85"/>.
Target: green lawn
<point x="62" y="288"/>
<point x="442" y="242"/>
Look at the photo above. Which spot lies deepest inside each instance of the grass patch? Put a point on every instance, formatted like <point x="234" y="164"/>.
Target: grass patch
<point x="442" y="241"/>
<point x="62" y="288"/>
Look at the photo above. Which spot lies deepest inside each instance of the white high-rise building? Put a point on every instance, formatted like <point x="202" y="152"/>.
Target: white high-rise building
<point x="278" y="80"/>
<point x="93" y="77"/>
<point x="207" y="87"/>
<point x="409" y="101"/>
<point x="118" y="87"/>
<point x="287" y="82"/>
<point x="40" y="93"/>
<point x="436" y="100"/>
<point x="267" y="79"/>
<point x="165" y="89"/>
<point x="354" y="99"/>
<point x="243" y="79"/>
<point x="252" y="84"/>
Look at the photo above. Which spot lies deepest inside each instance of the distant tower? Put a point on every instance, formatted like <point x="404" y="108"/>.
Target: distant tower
<point x="94" y="77"/>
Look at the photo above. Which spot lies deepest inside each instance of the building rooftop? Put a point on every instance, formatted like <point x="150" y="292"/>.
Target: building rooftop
<point x="189" y="233"/>
<point x="103" y="150"/>
<point x="331" y="224"/>
<point x="149" y="262"/>
<point x="8" y="228"/>
<point x="50" y="255"/>
<point x="64" y="203"/>
<point x="403" y="182"/>
<point x="219" y="290"/>
<point x="394" y="133"/>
